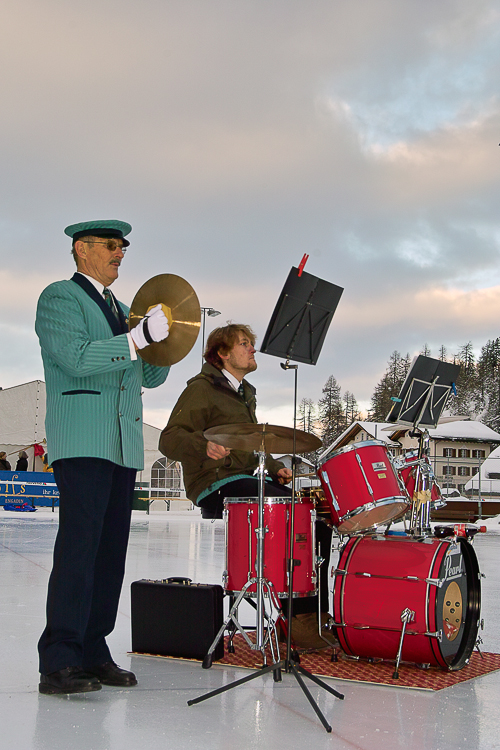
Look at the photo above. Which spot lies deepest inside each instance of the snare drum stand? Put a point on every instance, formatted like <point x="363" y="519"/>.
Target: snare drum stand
<point x="263" y="587"/>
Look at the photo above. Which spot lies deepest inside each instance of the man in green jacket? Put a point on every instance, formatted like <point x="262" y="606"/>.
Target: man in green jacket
<point x="219" y="395"/>
<point x="94" y="435"/>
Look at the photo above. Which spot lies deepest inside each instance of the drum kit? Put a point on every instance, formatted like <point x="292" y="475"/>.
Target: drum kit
<point x="398" y="595"/>
<point x="406" y="595"/>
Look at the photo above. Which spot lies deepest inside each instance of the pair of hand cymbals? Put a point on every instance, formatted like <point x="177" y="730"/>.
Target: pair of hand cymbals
<point x="262" y="437"/>
<point x="182" y="309"/>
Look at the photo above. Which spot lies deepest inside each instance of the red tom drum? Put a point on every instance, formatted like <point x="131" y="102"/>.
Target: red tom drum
<point x="407" y="470"/>
<point x="242" y="516"/>
<point x="378" y="577"/>
<point x="362" y="487"/>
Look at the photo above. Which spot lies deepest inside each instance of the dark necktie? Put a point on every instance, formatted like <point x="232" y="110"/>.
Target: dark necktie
<point x="241" y="390"/>
<point x="110" y="302"/>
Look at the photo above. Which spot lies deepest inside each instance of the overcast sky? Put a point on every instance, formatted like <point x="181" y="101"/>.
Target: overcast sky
<point x="237" y="135"/>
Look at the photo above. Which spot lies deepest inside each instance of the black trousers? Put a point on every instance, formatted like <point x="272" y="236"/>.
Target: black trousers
<point x="213" y="505"/>
<point x="95" y="507"/>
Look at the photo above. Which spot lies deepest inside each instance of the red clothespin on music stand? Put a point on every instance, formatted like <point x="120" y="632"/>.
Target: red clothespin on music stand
<point x="302" y="264"/>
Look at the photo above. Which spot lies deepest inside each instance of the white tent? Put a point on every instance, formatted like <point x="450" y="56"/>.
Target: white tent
<point x="22" y="423"/>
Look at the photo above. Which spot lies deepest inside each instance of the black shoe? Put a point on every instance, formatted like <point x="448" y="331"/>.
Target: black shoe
<point x="110" y="673"/>
<point x="68" y="680"/>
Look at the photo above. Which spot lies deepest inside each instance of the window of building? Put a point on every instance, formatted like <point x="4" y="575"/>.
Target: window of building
<point x="449" y="470"/>
<point x="464" y="471"/>
<point x="478" y="454"/>
<point x="461" y="488"/>
<point x="449" y="452"/>
<point x="463" y="453"/>
<point x="166" y="478"/>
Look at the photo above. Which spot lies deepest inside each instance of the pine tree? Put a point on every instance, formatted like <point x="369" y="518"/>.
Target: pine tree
<point x="330" y="412"/>
<point x="388" y="387"/>
<point x="466" y="401"/>
<point x="351" y="408"/>
<point x="488" y="384"/>
<point x="306" y="415"/>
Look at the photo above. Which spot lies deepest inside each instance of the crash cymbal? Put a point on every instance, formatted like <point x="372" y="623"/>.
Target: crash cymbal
<point x="273" y="438"/>
<point x="182" y="309"/>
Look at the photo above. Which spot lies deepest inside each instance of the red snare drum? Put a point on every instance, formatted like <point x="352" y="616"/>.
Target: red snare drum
<point x="362" y="487"/>
<point x="380" y="576"/>
<point x="407" y="470"/>
<point x="242" y="517"/>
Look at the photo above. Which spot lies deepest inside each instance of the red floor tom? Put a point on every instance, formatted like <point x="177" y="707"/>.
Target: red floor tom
<point x="362" y="487"/>
<point x="241" y="518"/>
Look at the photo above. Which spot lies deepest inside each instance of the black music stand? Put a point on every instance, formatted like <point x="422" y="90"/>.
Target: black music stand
<point x="297" y="330"/>
<point x="301" y="318"/>
<point x="420" y="403"/>
<point x="424" y="393"/>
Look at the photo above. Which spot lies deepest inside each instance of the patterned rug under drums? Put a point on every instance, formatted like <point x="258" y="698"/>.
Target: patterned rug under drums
<point x="376" y="672"/>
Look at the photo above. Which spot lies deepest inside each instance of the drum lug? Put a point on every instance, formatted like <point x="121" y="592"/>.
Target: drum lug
<point x="327" y="482"/>
<point x="358" y="458"/>
<point x="438" y="634"/>
<point x="434" y="582"/>
<point x="225" y="576"/>
<point x="481" y="575"/>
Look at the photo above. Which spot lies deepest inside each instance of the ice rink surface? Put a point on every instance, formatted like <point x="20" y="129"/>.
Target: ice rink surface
<point x="262" y="713"/>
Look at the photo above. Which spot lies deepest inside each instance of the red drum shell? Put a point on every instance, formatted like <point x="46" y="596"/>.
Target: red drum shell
<point x="345" y="476"/>
<point x="378" y="577"/>
<point x="242" y="516"/>
<point x="407" y="473"/>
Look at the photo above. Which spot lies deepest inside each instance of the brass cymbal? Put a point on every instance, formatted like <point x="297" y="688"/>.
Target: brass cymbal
<point x="267" y="437"/>
<point x="180" y="305"/>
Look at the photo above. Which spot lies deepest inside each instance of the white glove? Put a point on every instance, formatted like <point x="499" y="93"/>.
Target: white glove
<point x="153" y="327"/>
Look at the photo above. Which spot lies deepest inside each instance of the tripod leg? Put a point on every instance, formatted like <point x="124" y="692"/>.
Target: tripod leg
<point x="319" y="682"/>
<point x="259" y="673"/>
<point x="309" y="697"/>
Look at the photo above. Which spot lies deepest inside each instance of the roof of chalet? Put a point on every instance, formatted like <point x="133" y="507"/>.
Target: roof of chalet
<point x="490" y="465"/>
<point x="462" y="429"/>
<point x="374" y="429"/>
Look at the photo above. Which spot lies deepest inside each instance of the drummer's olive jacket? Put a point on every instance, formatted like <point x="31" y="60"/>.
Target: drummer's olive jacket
<point x="209" y="401"/>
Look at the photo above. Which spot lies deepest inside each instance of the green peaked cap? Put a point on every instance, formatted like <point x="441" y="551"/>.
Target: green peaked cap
<point x="102" y="228"/>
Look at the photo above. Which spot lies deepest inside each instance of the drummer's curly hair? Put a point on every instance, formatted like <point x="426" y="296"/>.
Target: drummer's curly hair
<point x="221" y="340"/>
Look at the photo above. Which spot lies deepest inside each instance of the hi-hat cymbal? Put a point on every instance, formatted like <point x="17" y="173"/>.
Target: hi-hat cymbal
<point x="268" y="437"/>
<point x="180" y="305"/>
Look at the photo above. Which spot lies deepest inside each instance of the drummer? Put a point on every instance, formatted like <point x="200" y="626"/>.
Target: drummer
<point x="221" y="395"/>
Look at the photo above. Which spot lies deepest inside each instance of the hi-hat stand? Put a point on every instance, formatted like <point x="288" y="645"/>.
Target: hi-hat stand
<point x="296" y="331"/>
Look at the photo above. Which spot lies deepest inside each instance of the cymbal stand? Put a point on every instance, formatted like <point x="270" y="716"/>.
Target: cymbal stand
<point x="286" y="664"/>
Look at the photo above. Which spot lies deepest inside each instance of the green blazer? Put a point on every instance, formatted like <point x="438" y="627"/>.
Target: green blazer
<point x="94" y="405"/>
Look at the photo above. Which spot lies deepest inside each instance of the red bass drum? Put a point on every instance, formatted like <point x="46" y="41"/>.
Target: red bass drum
<point x="438" y="580"/>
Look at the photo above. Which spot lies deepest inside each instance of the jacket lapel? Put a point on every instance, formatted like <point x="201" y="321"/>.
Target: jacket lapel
<point x="117" y="327"/>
